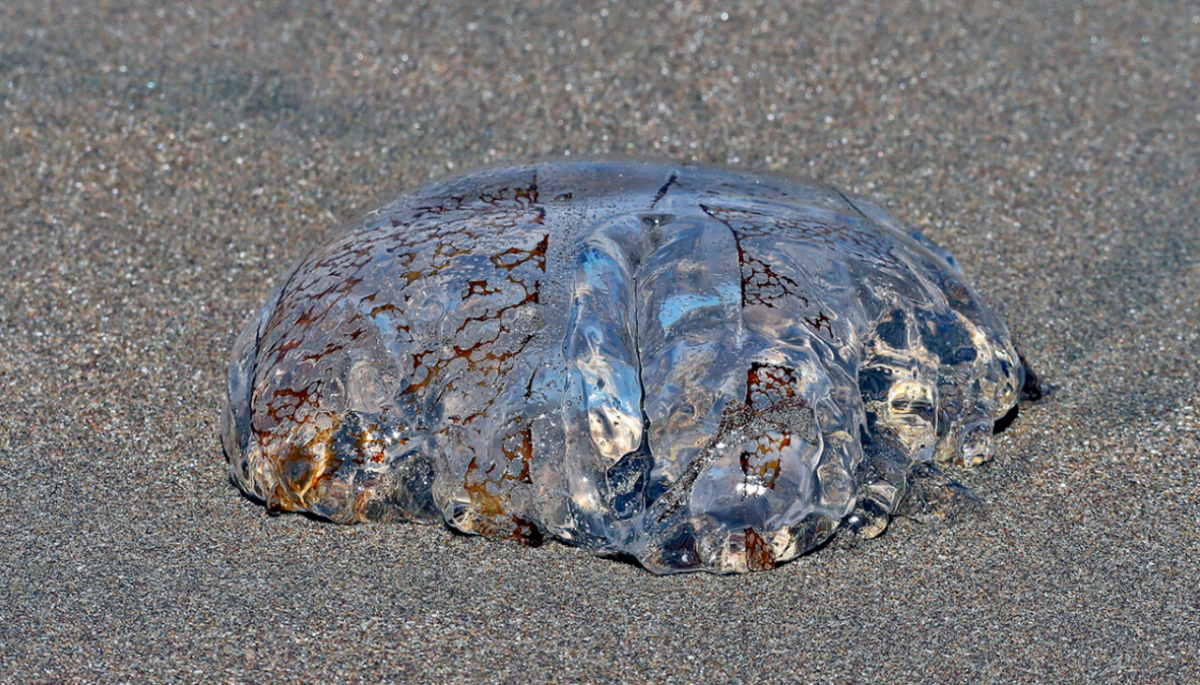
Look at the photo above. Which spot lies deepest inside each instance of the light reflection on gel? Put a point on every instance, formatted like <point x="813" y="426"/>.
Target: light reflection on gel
<point x="702" y="368"/>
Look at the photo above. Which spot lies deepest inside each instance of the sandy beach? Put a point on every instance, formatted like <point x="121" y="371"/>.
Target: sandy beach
<point x="161" y="165"/>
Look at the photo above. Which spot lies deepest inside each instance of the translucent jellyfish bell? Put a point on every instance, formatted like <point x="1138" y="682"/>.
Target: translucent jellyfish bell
<point x="703" y="368"/>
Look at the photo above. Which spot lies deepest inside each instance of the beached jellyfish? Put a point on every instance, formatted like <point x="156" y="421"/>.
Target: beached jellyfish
<point x="701" y="368"/>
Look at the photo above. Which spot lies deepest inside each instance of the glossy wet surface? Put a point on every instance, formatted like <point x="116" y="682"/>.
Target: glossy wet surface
<point x="702" y="368"/>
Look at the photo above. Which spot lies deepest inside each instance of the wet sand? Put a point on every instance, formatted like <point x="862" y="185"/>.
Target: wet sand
<point x="162" y="166"/>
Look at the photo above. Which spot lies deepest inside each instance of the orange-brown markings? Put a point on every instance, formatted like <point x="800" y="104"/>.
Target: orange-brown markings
<point x="756" y="466"/>
<point x="447" y="250"/>
<point x="865" y="243"/>
<point x="537" y="254"/>
<point x="339" y="289"/>
<point x="767" y="386"/>
<point x="449" y="204"/>
<point x="287" y="346"/>
<point x="477" y="288"/>
<point x="488" y="363"/>
<point x="525" y="196"/>
<point x="482" y="501"/>
<point x="481" y="357"/>
<point x="329" y="349"/>
<point x="285" y="403"/>
<point x="761" y="285"/>
<point x="302" y="470"/>
<point x="299" y="468"/>
<point x="517" y="447"/>
<point x="868" y="244"/>
<point x="519" y="196"/>
<point x="387" y="307"/>
<point x="770" y="396"/>
<point x="369" y="445"/>
<point x="531" y="296"/>
<point x="338" y="276"/>
<point x="490" y="489"/>
<point x="330" y="278"/>
<point x="821" y="322"/>
<point x="442" y="250"/>
<point x="760" y="556"/>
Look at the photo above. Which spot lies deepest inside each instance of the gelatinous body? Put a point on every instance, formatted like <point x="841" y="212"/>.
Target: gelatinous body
<point x="702" y="368"/>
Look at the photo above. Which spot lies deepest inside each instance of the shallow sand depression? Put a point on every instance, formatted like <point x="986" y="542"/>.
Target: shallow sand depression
<point x="162" y="165"/>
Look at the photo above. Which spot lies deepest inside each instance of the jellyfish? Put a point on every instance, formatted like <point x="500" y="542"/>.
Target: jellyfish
<point x="700" y="368"/>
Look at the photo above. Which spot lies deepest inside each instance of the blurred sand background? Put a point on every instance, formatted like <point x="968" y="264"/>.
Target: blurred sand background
<point x="161" y="164"/>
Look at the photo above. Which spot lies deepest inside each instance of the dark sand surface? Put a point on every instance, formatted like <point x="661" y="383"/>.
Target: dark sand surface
<point x="161" y="166"/>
